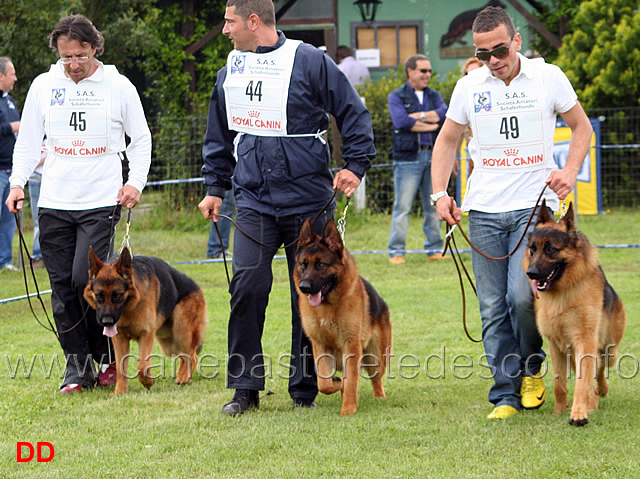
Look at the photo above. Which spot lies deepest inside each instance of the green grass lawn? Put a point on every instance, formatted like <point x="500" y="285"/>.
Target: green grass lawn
<point x="432" y="423"/>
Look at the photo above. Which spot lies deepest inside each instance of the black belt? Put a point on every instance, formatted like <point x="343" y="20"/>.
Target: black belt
<point x="425" y="147"/>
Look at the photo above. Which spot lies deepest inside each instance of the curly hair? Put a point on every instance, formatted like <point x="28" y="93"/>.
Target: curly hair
<point x="77" y="27"/>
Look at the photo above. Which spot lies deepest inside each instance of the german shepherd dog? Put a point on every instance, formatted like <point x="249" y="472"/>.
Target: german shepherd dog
<point x="577" y="310"/>
<point x="141" y="298"/>
<point x="344" y="317"/>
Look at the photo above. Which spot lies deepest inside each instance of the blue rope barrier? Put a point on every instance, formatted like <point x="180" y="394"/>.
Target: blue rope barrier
<point x="409" y="251"/>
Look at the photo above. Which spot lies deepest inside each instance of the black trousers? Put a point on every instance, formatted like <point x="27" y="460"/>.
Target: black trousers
<point x="65" y="237"/>
<point x="250" y="288"/>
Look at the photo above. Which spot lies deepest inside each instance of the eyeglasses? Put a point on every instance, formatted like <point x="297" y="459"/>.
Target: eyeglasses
<point x="500" y="53"/>
<point x="425" y="70"/>
<point x="70" y="60"/>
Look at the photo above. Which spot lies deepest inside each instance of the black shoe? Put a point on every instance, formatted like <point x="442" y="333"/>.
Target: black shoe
<point x="305" y="403"/>
<point x="243" y="400"/>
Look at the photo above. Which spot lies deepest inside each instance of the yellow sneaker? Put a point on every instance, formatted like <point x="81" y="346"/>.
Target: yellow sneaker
<point x="397" y="260"/>
<point x="503" y="412"/>
<point x="532" y="391"/>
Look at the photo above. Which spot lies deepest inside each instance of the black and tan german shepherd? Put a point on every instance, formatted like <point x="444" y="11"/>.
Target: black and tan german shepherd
<point x="577" y="310"/>
<point x="344" y="317"/>
<point x="141" y="298"/>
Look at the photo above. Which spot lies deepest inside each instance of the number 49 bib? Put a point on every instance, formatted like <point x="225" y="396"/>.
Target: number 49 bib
<point x="256" y="90"/>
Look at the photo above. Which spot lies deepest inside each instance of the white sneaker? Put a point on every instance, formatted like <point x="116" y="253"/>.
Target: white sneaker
<point x="9" y="267"/>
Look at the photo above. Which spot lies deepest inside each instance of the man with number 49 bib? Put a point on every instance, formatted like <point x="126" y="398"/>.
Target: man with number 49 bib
<point x="268" y="115"/>
<point x="511" y="104"/>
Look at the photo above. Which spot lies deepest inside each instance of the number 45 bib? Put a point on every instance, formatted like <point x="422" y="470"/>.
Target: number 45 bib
<point x="79" y="118"/>
<point x="256" y="90"/>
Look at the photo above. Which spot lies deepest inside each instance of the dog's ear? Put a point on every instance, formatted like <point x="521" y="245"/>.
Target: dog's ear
<point x="569" y="219"/>
<point x="306" y="234"/>
<point x="123" y="266"/>
<point x="331" y="237"/>
<point x="94" y="264"/>
<point x="543" y="215"/>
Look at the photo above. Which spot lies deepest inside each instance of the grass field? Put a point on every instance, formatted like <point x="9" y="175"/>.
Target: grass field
<point x="432" y="423"/>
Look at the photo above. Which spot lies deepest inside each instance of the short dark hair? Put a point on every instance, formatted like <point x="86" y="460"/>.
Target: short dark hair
<point x="77" y="27"/>
<point x="343" y="52"/>
<point x="263" y="8"/>
<point x="412" y="62"/>
<point x="4" y="61"/>
<point x="491" y="18"/>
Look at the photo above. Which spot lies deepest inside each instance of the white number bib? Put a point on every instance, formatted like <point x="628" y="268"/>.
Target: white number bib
<point x="79" y="119"/>
<point x="256" y="90"/>
<point x="508" y="127"/>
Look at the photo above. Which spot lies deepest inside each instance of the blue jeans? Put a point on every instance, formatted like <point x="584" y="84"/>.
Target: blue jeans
<point x="228" y="208"/>
<point x="7" y="221"/>
<point x="512" y="344"/>
<point x="408" y="178"/>
<point x="35" y="181"/>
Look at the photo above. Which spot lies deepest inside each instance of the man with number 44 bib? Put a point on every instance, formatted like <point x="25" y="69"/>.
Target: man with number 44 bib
<point x="84" y="108"/>
<point x="511" y="104"/>
<point x="265" y="133"/>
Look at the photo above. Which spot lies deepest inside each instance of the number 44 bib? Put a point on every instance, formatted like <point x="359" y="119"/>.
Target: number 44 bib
<point x="256" y="90"/>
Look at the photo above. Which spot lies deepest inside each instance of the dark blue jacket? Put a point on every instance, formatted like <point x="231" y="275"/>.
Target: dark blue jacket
<point x="283" y="176"/>
<point x="403" y="101"/>
<point x="8" y="113"/>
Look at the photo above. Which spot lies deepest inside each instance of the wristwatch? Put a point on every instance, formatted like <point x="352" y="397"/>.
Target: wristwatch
<point x="423" y="117"/>
<point x="435" y="197"/>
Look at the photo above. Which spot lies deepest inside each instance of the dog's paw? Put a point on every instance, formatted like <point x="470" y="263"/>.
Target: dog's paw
<point x="579" y="422"/>
<point x="559" y="409"/>
<point x="348" y="410"/>
<point x="147" y="382"/>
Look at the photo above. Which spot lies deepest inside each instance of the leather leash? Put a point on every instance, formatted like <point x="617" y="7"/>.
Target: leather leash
<point x="451" y="239"/>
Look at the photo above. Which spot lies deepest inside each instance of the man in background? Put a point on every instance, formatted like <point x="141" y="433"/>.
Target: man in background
<point x="417" y="113"/>
<point x="357" y="72"/>
<point x="9" y="126"/>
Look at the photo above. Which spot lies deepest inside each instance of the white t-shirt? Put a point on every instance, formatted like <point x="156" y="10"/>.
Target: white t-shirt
<point x="513" y="129"/>
<point x="85" y="126"/>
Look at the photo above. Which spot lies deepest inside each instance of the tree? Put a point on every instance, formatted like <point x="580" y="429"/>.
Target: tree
<point x="601" y="56"/>
<point x="555" y="15"/>
<point x="24" y="30"/>
<point x="145" y="39"/>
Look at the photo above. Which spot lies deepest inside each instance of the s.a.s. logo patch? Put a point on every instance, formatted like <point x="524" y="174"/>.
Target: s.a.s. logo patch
<point x="482" y="101"/>
<point x="57" y="96"/>
<point x="237" y="63"/>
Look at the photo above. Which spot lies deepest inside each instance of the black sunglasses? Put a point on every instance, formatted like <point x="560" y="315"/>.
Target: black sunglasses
<point x="500" y="53"/>
<point x="425" y="70"/>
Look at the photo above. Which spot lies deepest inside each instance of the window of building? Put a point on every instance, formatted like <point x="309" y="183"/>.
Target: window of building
<point x="396" y="40"/>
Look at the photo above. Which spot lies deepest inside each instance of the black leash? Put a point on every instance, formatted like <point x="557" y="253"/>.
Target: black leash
<point x="23" y="248"/>
<point x="451" y="239"/>
<point x="224" y="257"/>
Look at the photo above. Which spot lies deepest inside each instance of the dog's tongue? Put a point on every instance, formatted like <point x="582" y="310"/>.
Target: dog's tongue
<point x="534" y="288"/>
<point x="315" y="299"/>
<point x="110" y="331"/>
